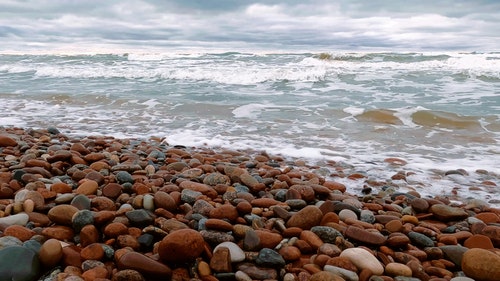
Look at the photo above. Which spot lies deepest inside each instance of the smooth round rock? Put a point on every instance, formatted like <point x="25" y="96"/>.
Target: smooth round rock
<point x="363" y="259"/>
<point x="50" y="253"/>
<point x="347" y="214"/>
<point x="306" y="218"/>
<point x="397" y="269"/>
<point x="181" y="246"/>
<point x="62" y="214"/>
<point x="481" y="264"/>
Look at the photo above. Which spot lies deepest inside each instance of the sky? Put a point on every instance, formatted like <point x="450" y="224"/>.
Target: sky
<point x="316" y="25"/>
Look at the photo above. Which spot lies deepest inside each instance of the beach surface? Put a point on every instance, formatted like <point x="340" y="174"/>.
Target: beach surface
<point x="105" y="208"/>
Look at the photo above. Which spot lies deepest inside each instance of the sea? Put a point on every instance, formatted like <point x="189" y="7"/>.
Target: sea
<point x="439" y="112"/>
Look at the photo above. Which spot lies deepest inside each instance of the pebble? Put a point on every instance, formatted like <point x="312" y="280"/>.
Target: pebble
<point x="270" y="258"/>
<point x="143" y="264"/>
<point x="306" y="218"/>
<point x="363" y="259"/>
<point x="181" y="245"/>
<point x="50" y="253"/>
<point x="17" y="219"/>
<point x="481" y="264"/>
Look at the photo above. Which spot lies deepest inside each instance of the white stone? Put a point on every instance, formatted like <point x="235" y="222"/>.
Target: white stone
<point x="347" y="214"/>
<point x="21" y="195"/>
<point x="362" y="259"/>
<point x="242" y="276"/>
<point x="148" y="202"/>
<point x="17" y="219"/>
<point x="237" y="254"/>
<point x="342" y="272"/>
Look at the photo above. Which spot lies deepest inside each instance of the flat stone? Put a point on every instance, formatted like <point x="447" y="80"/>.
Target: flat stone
<point x="397" y="269"/>
<point x="448" y="213"/>
<point x="17" y="219"/>
<point x="344" y="273"/>
<point x="62" y="214"/>
<point x="420" y="239"/>
<point x="364" y="236"/>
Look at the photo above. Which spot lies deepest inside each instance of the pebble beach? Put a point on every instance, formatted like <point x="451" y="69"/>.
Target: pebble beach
<point x="104" y="208"/>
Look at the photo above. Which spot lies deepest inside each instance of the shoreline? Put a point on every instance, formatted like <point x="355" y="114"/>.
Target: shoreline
<point x="101" y="207"/>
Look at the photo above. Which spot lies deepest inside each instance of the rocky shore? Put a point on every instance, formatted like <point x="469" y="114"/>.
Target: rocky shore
<point x="101" y="208"/>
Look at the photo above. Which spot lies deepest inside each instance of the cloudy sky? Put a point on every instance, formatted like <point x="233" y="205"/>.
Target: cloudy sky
<point x="319" y="25"/>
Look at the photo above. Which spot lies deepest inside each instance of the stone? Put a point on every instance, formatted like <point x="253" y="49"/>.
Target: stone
<point x="397" y="269"/>
<point x="270" y="258"/>
<point x="447" y="213"/>
<point x="50" y="253"/>
<point x="17" y="219"/>
<point x="62" y="214"/>
<point x="268" y="239"/>
<point x="7" y="241"/>
<point x="95" y="273"/>
<point x="88" y="187"/>
<point x="81" y="219"/>
<point x="344" y="273"/>
<point x="363" y="259"/>
<point x="478" y="241"/>
<point x="242" y="276"/>
<point x="258" y="273"/>
<point x="18" y="231"/>
<point x="251" y="241"/>
<point x="164" y="200"/>
<point x="93" y="251"/>
<point x="481" y="264"/>
<point x="221" y="260"/>
<point x="115" y="229"/>
<point x="347" y="214"/>
<point x="124" y="177"/>
<point x="112" y="190"/>
<point x="81" y="202"/>
<point x="6" y="141"/>
<point x="290" y="253"/>
<point x="454" y="253"/>
<point x="59" y="232"/>
<point x="419" y="239"/>
<point x="19" y="263"/>
<point x="306" y="218"/>
<point x="140" y="218"/>
<point x="128" y="275"/>
<point x="181" y="245"/>
<point x="325" y="276"/>
<point x="327" y="234"/>
<point x="364" y="236"/>
<point x="420" y="205"/>
<point x="237" y="254"/>
<point x="143" y="264"/>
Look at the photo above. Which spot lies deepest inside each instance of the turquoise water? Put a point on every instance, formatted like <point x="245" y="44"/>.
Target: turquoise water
<point x="438" y="111"/>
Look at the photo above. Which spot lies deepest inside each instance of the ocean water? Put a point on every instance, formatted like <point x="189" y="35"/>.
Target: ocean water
<point x="436" y="111"/>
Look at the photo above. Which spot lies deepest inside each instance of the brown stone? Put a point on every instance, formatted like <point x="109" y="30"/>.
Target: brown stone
<point x="88" y="187"/>
<point x="124" y="241"/>
<point x="93" y="251"/>
<point x="127" y="275"/>
<point x="325" y="276"/>
<point x="61" y="187"/>
<point x="88" y="235"/>
<point x="493" y="232"/>
<point x="6" y="141"/>
<point x="312" y="239"/>
<point x="306" y="218"/>
<point x="226" y="211"/>
<point x="62" y="214"/>
<point x="478" y="241"/>
<point x="143" y="264"/>
<point x="342" y="262"/>
<point x="217" y="224"/>
<point x="71" y="256"/>
<point x="221" y="260"/>
<point x="394" y="226"/>
<point x="290" y="253"/>
<point x="115" y="229"/>
<point x="364" y="236"/>
<point x="112" y="190"/>
<point x="20" y="232"/>
<point x="447" y="213"/>
<point x="39" y="219"/>
<point x="181" y="245"/>
<point x="488" y="217"/>
<point x="268" y="239"/>
<point x="59" y="232"/>
<point x="264" y="202"/>
<point x="50" y="253"/>
<point x="95" y="274"/>
<point x="481" y="264"/>
<point x="335" y="186"/>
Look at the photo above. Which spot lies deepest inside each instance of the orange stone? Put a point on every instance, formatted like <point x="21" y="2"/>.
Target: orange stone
<point x="88" y="187"/>
<point x="61" y="187"/>
<point x="20" y="232"/>
<point x="94" y="251"/>
<point x="488" y="217"/>
<point x="478" y="241"/>
<point x="50" y="253"/>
